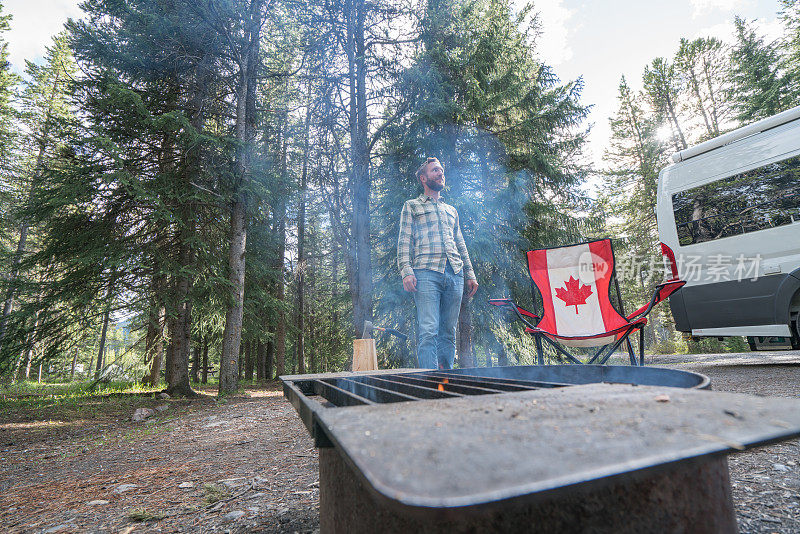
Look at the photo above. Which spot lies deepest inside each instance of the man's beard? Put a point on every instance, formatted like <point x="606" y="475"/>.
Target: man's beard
<point x="434" y="185"/>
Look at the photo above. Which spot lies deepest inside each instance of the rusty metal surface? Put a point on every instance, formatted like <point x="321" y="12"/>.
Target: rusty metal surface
<point x="692" y="498"/>
<point x="473" y="452"/>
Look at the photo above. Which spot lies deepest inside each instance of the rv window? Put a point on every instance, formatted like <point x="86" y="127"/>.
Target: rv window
<point x="754" y="200"/>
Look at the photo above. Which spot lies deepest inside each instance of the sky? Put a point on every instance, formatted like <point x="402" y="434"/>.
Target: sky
<point x="602" y="40"/>
<point x="599" y="40"/>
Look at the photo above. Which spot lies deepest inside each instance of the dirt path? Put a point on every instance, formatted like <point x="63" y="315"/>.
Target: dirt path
<point x="250" y="465"/>
<point x="249" y="462"/>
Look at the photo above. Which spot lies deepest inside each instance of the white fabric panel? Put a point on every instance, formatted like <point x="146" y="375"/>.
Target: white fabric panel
<point x="593" y="342"/>
<point x="574" y="263"/>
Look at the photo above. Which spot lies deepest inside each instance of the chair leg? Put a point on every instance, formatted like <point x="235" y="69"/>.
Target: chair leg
<point x="596" y="355"/>
<point x="631" y="355"/>
<point x="641" y="346"/>
<point x="616" y="345"/>
<point x="558" y="348"/>
<point x="539" y="351"/>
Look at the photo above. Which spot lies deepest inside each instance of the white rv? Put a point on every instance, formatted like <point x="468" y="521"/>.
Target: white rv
<point x="728" y="215"/>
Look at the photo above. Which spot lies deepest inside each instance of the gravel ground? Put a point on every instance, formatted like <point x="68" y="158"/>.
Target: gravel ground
<point x="248" y="465"/>
<point x="766" y="481"/>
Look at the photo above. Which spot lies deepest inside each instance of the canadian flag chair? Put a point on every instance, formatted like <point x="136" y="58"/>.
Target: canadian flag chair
<point x="574" y="282"/>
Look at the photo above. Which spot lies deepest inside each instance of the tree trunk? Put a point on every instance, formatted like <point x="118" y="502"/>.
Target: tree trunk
<point x="359" y="149"/>
<point x="695" y="84"/>
<point x="168" y="354"/>
<point x="714" y="105"/>
<point x="280" y="290"/>
<point x="261" y="362"/>
<point x="301" y="242"/>
<point x="25" y="366"/>
<point x="196" y="363"/>
<point x="102" y="348"/>
<point x="248" y="358"/>
<point x="502" y="356"/>
<point x="244" y="130"/>
<point x="154" y="339"/>
<point x="28" y="363"/>
<point x="466" y="357"/>
<point x="270" y="359"/>
<point x="27" y="356"/>
<point x="74" y="362"/>
<point x="205" y="359"/>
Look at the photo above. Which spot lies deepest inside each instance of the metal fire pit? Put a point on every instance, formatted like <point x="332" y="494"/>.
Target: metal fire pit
<point x="597" y="448"/>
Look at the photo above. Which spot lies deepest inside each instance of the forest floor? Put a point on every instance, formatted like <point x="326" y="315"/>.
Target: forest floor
<point x="247" y="463"/>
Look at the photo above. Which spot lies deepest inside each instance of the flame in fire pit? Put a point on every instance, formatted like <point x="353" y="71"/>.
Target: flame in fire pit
<point x="440" y="387"/>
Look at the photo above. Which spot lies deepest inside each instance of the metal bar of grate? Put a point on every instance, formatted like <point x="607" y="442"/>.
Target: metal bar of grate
<point x="529" y="384"/>
<point x="447" y="384"/>
<point x="419" y="392"/>
<point x="338" y="396"/>
<point x="502" y="386"/>
<point x="373" y="393"/>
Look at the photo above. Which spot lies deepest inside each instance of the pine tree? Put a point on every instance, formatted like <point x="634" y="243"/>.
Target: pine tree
<point x="508" y="135"/>
<point x="47" y="118"/>
<point x="661" y="87"/>
<point x="790" y="16"/>
<point x="702" y="65"/>
<point x="758" y="88"/>
<point x="628" y="198"/>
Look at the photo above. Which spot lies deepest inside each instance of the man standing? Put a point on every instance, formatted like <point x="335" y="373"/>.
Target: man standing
<point x="433" y="261"/>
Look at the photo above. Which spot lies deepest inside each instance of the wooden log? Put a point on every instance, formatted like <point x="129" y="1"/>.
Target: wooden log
<point x="365" y="357"/>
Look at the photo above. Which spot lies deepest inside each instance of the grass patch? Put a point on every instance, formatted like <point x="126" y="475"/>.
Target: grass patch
<point x="26" y="402"/>
<point x="28" y="394"/>
<point x="215" y="493"/>
<point x="142" y="515"/>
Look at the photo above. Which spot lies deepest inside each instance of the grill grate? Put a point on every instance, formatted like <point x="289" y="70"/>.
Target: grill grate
<point x="404" y="387"/>
<point x="313" y="396"/>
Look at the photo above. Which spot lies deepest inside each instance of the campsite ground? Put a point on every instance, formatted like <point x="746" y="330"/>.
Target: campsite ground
<point x="248" y="464"/>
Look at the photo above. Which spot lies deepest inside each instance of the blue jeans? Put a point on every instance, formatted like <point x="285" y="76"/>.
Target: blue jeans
<point x="438" y="300"/>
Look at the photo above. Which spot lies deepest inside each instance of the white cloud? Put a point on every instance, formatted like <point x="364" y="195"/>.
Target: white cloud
<point x="552" y="46"/>
<point x="701" y="7"/>
<point x="771" y="30"/>
<point x="33" y="26"/>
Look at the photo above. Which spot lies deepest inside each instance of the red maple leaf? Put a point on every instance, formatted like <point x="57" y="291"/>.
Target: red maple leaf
<point x="573" y="293"/>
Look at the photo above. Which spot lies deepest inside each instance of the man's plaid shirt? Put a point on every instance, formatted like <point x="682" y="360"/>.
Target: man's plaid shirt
<point x="430" y="236"/>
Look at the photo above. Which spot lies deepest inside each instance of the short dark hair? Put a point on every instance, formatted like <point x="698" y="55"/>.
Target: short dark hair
<point x="424" y="166"/>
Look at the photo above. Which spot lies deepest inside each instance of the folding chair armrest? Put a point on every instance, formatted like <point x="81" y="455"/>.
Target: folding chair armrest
<point x="661" y="292"/>
<point x="520" y="311"/>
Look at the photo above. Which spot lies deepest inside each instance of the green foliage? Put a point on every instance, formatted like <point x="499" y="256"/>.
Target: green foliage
<point x="143" y="515"/>
<point x="758" y="88"/>
<point x="790" y="60"/>
<point x="28" y="394"/>
<point x="509" y="137"/>
<point x="214" y="493"/>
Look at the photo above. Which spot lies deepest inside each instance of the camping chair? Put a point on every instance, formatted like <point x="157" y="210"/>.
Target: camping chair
<point x="574" y="282"/>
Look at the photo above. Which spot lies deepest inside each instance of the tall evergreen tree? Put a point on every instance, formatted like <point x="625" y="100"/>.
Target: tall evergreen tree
<point x="758" y="88"/>
<point x="703" y="67"/>
<point x="47" y="118"/>
<point x="508" y="135"/>
<point x="661" y="85"/>
<point x="790" y="16"/>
